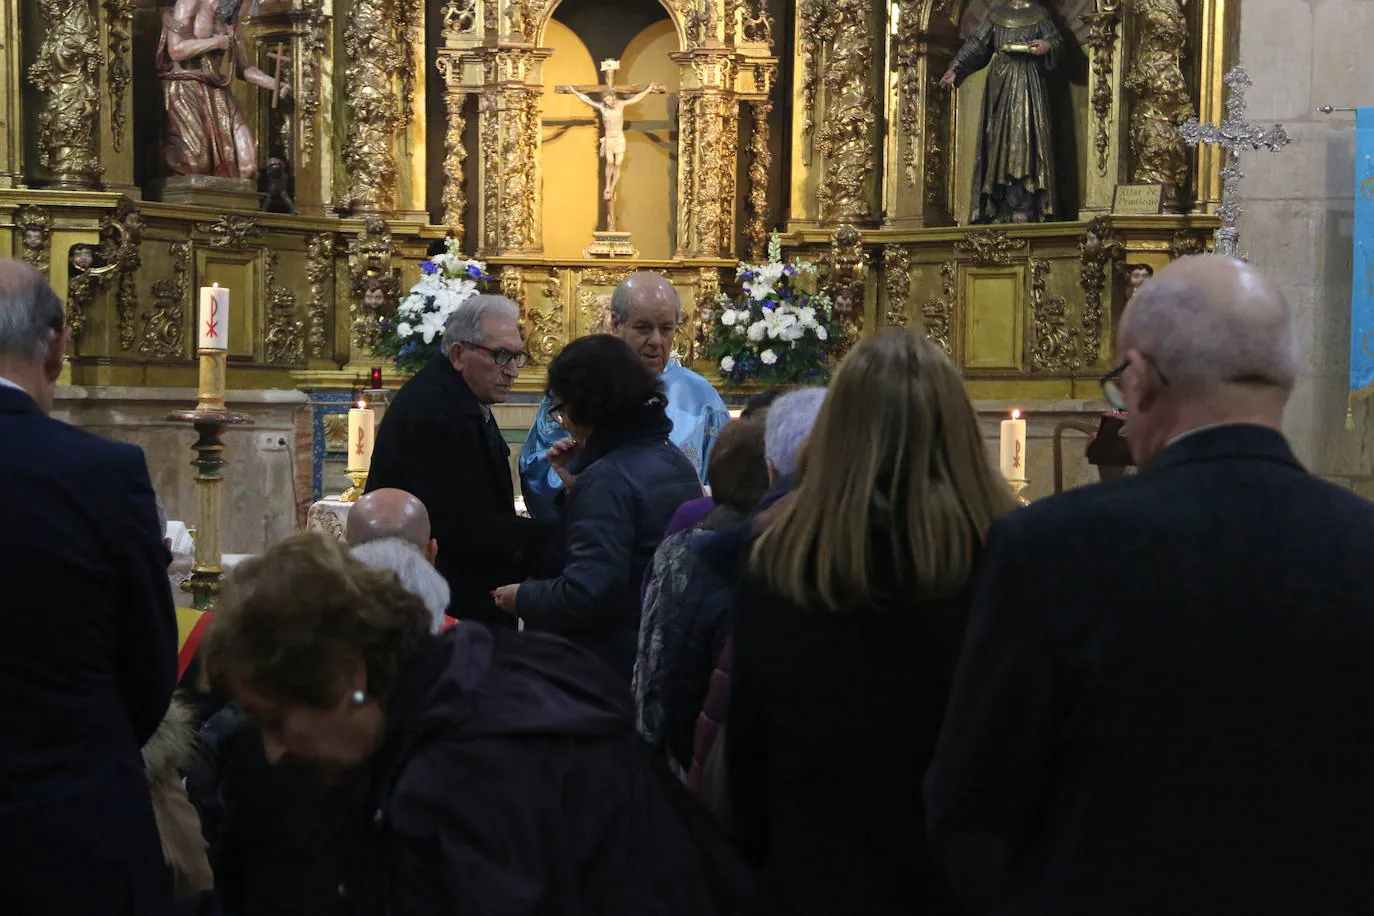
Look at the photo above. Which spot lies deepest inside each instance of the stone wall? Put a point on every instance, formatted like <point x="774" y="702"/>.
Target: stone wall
<point x="261" y="485"/>
<point x="1297" y="221"/>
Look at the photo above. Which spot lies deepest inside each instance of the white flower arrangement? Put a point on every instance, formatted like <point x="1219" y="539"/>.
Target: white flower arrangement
<point x="447" y="280"/>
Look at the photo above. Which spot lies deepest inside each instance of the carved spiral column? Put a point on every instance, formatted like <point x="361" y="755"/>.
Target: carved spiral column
<point x="509" y="136"/>
<point x="67" y="71"/>
<point x="375" y="58"/>
<point x="455" y="153"/>
<point x="707" y="152"/>
<point x="1161" y="96"/>
<point x="760" y="161"/>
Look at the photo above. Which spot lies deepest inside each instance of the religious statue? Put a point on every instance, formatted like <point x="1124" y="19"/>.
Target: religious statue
<point x="611" y="101"/>
<point x="275" y="198"/>
<point x="1013" y="175"/>
<point x="198" y="54"/>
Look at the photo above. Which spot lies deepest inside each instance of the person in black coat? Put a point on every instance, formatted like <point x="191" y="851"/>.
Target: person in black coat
<point x="440" y="442"/>
<point x="503" y="774"/>
<point x="625" y="479"/>
<point x="88" y="655"/>
<point x="1164" y="704"/>
<point x="848" y="621"/>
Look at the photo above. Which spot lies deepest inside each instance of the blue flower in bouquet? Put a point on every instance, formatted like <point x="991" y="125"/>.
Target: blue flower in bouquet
<point x="476" y="272"/>
<point x="429" y="267"/>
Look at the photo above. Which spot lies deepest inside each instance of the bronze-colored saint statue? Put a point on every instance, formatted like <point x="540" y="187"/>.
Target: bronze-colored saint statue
<point x="200" y="51"/>
<point x="1013" y="175"/>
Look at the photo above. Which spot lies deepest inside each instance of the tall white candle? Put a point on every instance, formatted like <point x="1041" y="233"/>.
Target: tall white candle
<point x="213" y="330"/>
<point x="1014" y="447"/>
<point x="362" y="431"/>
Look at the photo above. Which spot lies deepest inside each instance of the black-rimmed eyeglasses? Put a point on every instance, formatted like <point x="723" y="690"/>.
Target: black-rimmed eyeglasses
<point x="503" y="357"/>
<point x="1111" y="382"/>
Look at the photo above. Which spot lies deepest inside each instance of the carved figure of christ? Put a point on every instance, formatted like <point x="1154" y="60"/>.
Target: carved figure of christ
<point x="609" y="101"/>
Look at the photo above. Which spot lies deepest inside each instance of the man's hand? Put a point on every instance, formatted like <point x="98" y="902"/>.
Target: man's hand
<point x="947" y="81"/>
<point x="221" y="42"/>
<point x="284" y="92"/>
<point x="560" y="454"/>
<point x="505" y="597"/>
<point x="1040" y="47"/>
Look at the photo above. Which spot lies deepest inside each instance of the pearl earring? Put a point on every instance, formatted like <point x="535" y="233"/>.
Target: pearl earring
<point x="357" y="698"/>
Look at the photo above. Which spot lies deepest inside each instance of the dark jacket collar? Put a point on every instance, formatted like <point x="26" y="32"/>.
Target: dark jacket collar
<point x="452" y="381"/>
<point x="1232" y="440"/>
<point x="650" y="421"/>
<point x="13" y="400"/>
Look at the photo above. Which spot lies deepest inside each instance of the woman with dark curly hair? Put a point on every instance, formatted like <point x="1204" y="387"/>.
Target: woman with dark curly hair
<point x="623" y="480"/>
<point x="490" y="772"/>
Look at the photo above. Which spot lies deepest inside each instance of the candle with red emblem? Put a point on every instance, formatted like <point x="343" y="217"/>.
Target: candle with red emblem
<point x="362" y="431"/>
<point x="214" y="318"/>
<point x="1013" y="452"/>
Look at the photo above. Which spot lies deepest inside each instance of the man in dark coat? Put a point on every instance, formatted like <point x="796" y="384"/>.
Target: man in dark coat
<point x="440" y="442"/>
<point x="1164" y="701"/>
<point x="88" y="655"/>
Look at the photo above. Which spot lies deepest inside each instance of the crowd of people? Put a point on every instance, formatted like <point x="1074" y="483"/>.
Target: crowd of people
<point x="849" y="675"/>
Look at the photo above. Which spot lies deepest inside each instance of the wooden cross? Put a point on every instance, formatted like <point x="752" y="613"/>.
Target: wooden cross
<point x="278" y="55"/>
<point x="1234" y="135"/>
<point x="610" y="68"/>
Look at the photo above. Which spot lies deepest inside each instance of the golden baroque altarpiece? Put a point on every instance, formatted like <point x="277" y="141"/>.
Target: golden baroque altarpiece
<point x="408" y="121"/>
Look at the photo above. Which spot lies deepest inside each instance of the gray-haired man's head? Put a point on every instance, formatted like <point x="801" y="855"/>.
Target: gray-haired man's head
<point x="32" y="333"/>
<point x="417" y="574"/>
<point x="1206" y="341"/>
<point x="482" y="341"/>
<point x="787" y="427"/>
<point x="645" y="313"/>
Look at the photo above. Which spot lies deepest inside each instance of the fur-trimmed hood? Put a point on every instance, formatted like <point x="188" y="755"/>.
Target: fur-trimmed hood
<point x="168" y="752"/>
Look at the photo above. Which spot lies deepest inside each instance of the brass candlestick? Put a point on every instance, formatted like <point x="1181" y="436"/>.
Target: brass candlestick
<point x="359" y="479"/>
<point x="1016" y="487"/>
<point x="210" y="419"/>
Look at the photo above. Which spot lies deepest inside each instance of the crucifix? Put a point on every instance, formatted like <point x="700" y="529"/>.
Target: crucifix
<point x="611" y="100"/>
<point x="1234" y="135"/>
<point x="278" y="56"/>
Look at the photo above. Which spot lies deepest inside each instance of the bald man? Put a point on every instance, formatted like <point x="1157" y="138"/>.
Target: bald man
<point x="391" y="513"/>
<point x="1164" y="703"/>
<point x="645" y="313"/>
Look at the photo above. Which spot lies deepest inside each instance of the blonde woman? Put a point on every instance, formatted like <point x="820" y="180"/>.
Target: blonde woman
<point x="849" y="623"/>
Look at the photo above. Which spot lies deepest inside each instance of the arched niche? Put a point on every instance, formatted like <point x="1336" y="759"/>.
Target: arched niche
<point x="679" y="25"/>
<point x="945" y="25"/>
<point x="568" y="151"/>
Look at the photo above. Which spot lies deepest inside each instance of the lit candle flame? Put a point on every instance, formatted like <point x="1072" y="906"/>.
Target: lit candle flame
<point x="362" y="404"/>
<point x="1016" y="414"/>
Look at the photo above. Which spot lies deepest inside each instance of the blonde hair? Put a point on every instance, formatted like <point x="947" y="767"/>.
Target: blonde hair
<point x="894" y="477"/>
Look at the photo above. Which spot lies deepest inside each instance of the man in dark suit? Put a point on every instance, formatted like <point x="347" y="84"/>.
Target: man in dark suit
<point x="1164" y="704"/>
<point x="440" y="442"/>
<point x="88" y="640"/>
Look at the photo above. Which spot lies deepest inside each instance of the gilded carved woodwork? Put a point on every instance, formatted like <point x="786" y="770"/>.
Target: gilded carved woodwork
<point x="284" y="341"/>
<point x="373" y="286"/>
<point x="409" y="36"/>
<point x="545" y="326"/>
<point x="756" y="26"/>
<point x="709" y="183"/>
<point x="319" y="268"/>
<point x="34" y="227"/>
<point x="1102" y="38"/>
<point x="519" y="164"/>
<point x="906" y="52"/>
<point x="897" y="284"/>
<point x="1187" y="242"/>
<point x="314" y="43"/>
<point x="989" y="246"/>
<point x="490" y="127"/>
<point x="689" y="113"/>
<point x="119" y="24"/>
<point x="846" y="134"/>
<point x="1156" y="79"/>
<point x="1054" y="346"/>
<point x="231" y="231"/>
<point x="1098" y="253"/>
<point x="459" y="18"/>
<point x="374" y="59"/>
<point x="708" y="296"/>
<point x="815" y="29"/>
<point x="164" y="328"/>
<point x="937" y="147"/>
<point x="938" y="311"/>
<point x="66" y="72"/>
<point x="513" y="284"/>
<point x="121" y="240"/>
<point x="455" y="151"/>
<point x="760" y="162"/>
<point x="844" y="276"/>
<point x="729" y="145"/>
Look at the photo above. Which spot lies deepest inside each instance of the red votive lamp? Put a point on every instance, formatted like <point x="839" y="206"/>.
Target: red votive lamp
<point x="376" y="379"/>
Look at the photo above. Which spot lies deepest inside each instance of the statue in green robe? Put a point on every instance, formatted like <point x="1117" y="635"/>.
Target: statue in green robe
<point x="1013" y="176"/>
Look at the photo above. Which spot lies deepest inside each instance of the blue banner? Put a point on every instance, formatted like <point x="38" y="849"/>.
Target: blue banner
<point x="1362" y="292"/>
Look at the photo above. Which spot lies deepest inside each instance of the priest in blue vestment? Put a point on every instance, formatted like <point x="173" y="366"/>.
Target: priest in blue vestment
<point x="645" y="312"/>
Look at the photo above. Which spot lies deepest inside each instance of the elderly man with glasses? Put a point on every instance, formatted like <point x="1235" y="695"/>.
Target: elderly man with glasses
<point x="440" y="442"/>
